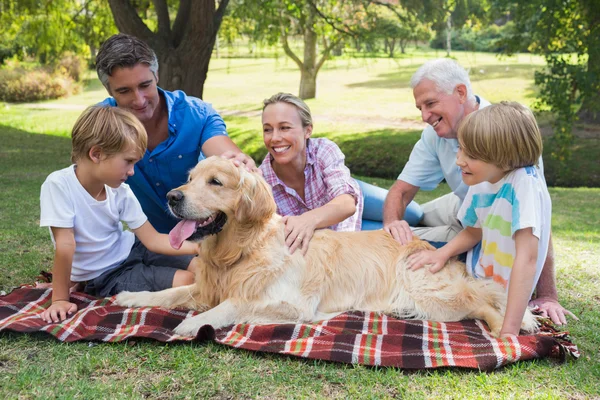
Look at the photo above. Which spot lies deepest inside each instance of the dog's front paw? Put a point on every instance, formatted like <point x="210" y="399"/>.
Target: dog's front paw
<point x="191" y="326"/>
<point x="132" y="299"/>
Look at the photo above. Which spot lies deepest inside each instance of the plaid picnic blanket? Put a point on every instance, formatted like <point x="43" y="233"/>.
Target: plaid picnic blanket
<point x="353" y="337"/>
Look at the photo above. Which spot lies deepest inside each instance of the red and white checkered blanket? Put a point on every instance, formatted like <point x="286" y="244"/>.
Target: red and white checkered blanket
<point x="353" y="337"/>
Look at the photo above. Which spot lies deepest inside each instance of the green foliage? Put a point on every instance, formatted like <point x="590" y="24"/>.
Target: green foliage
<point x="47" y="29"/>
<point x="559" y="84"/>
<point x="486" y="38"/>
<point x="458" y="13"/>
<point x="567" y="34"/>
<point x="394" y="27"/>
<point x="21" y="85"/>
<point x="72" y="66"/>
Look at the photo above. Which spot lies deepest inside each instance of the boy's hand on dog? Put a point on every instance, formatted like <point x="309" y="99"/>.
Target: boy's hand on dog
<point x="58" y="311"/>
<point x="298" y="232"/>
<point x="433" y="258"/>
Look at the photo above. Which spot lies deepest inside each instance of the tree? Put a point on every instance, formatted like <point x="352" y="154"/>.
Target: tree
<point x="398" y="27"/>
<point x="305" y="19"/>
<point x="94" y="24"/>
<point x="183" y="47"/>
<point x="567" y="34"/>
<point x="454" y="14"/>
<point x="46" y="29"/>
<point x="283" y="20"/>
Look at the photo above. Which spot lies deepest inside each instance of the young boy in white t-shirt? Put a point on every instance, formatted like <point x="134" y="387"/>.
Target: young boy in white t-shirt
<point x="84" y="204"/>
<point x="507" y="210"/>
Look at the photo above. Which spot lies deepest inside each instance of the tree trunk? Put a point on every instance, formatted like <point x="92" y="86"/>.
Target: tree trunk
<point x="308" y="79"/>
<point x="309" y="67"/>
<point x="403" y="43"/>
<point x="308" y="84"/>
<point x="392" y="47"/>
<point x="183" y="50"/>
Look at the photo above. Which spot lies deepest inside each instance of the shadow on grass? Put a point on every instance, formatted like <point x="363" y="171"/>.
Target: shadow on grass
<point x="378" y="153"/>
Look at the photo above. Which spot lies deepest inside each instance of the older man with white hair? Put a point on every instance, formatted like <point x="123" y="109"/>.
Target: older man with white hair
<point x="443" y="94"/>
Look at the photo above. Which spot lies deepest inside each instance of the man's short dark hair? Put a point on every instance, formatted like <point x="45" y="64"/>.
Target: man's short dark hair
<point x="123" y="50"/>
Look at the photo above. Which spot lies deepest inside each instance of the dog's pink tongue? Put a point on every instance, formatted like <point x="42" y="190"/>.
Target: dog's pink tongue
<point x="183" y="230"/>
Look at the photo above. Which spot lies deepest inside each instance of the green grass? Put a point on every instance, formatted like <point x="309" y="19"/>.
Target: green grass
<point x="34" y="142"/>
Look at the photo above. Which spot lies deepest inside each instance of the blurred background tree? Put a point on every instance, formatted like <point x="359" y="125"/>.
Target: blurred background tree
<point x="567" y="34"/>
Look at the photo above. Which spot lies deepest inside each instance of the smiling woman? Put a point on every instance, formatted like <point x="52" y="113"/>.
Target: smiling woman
<point x="312" y="187"/>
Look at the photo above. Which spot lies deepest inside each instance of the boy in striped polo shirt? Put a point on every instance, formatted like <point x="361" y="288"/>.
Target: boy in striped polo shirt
<point x="506" y="213"/>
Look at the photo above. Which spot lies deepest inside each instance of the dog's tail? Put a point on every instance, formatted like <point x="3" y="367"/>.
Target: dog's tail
<point x="495" y="295"/>
<point x="530" y="322"/>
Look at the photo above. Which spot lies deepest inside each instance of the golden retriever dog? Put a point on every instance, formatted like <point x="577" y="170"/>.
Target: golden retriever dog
<point x="246" y="274"/>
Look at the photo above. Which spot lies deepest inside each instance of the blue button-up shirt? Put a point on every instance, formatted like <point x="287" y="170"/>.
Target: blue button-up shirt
<point x="191" y="123"/>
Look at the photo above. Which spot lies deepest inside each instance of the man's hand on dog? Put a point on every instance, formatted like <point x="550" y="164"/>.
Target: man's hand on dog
<point x="550" y="308"/>
<point x="298" y="232"/>
<point x="239" y="158"/>
<point x="58" y="311"/>
<point x="433" y="258"/>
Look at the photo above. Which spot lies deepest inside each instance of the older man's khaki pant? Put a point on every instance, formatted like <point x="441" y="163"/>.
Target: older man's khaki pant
<point x="439" y="223"/>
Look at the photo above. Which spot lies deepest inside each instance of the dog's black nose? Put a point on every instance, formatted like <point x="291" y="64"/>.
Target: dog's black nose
<point x="174" y="196"/>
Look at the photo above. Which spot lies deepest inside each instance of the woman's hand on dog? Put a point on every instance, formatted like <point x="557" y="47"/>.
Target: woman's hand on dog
<point x="58" y="311"/>
<point x="298" y="232"/>
<point x="434" y="258"/>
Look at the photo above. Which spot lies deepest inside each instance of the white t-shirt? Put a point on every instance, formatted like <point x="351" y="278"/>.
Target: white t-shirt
<point x="101" y="243"/>
<point x="519" y="200"/>
<point x="433" y="159"/>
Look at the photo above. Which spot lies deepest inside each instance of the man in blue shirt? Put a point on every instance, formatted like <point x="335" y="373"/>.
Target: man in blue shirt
<point x="181" y="129"/>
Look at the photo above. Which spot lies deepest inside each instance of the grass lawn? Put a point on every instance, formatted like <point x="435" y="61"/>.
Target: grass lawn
<point x="365" y="105"/>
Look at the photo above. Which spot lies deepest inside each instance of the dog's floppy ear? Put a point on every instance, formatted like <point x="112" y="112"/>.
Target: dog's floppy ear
<point x="256" y="203"/>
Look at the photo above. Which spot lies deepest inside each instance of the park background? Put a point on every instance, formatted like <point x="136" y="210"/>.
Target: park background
<point x="539" y="53"/>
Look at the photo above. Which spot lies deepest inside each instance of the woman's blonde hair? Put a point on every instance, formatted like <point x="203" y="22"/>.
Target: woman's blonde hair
<point x="112" y="129"/>
<point x="297" y="102"/>
<point x="504" y="134"/>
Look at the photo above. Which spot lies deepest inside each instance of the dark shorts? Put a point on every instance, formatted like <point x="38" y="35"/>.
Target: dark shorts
<point x="142" y="270"/>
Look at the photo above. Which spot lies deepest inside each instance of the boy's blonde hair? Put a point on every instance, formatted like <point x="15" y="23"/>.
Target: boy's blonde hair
<point x="112" y="129"/>
<point x="504" y="134"/>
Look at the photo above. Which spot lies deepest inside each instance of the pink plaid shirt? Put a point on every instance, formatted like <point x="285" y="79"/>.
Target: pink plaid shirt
<point x="326" y="178"/>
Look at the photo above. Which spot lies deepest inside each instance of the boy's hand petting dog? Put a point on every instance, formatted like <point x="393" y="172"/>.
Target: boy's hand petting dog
<point x="427" y="257"/>
<point x="58" y="311"/>
<point x="298" y="232"/>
